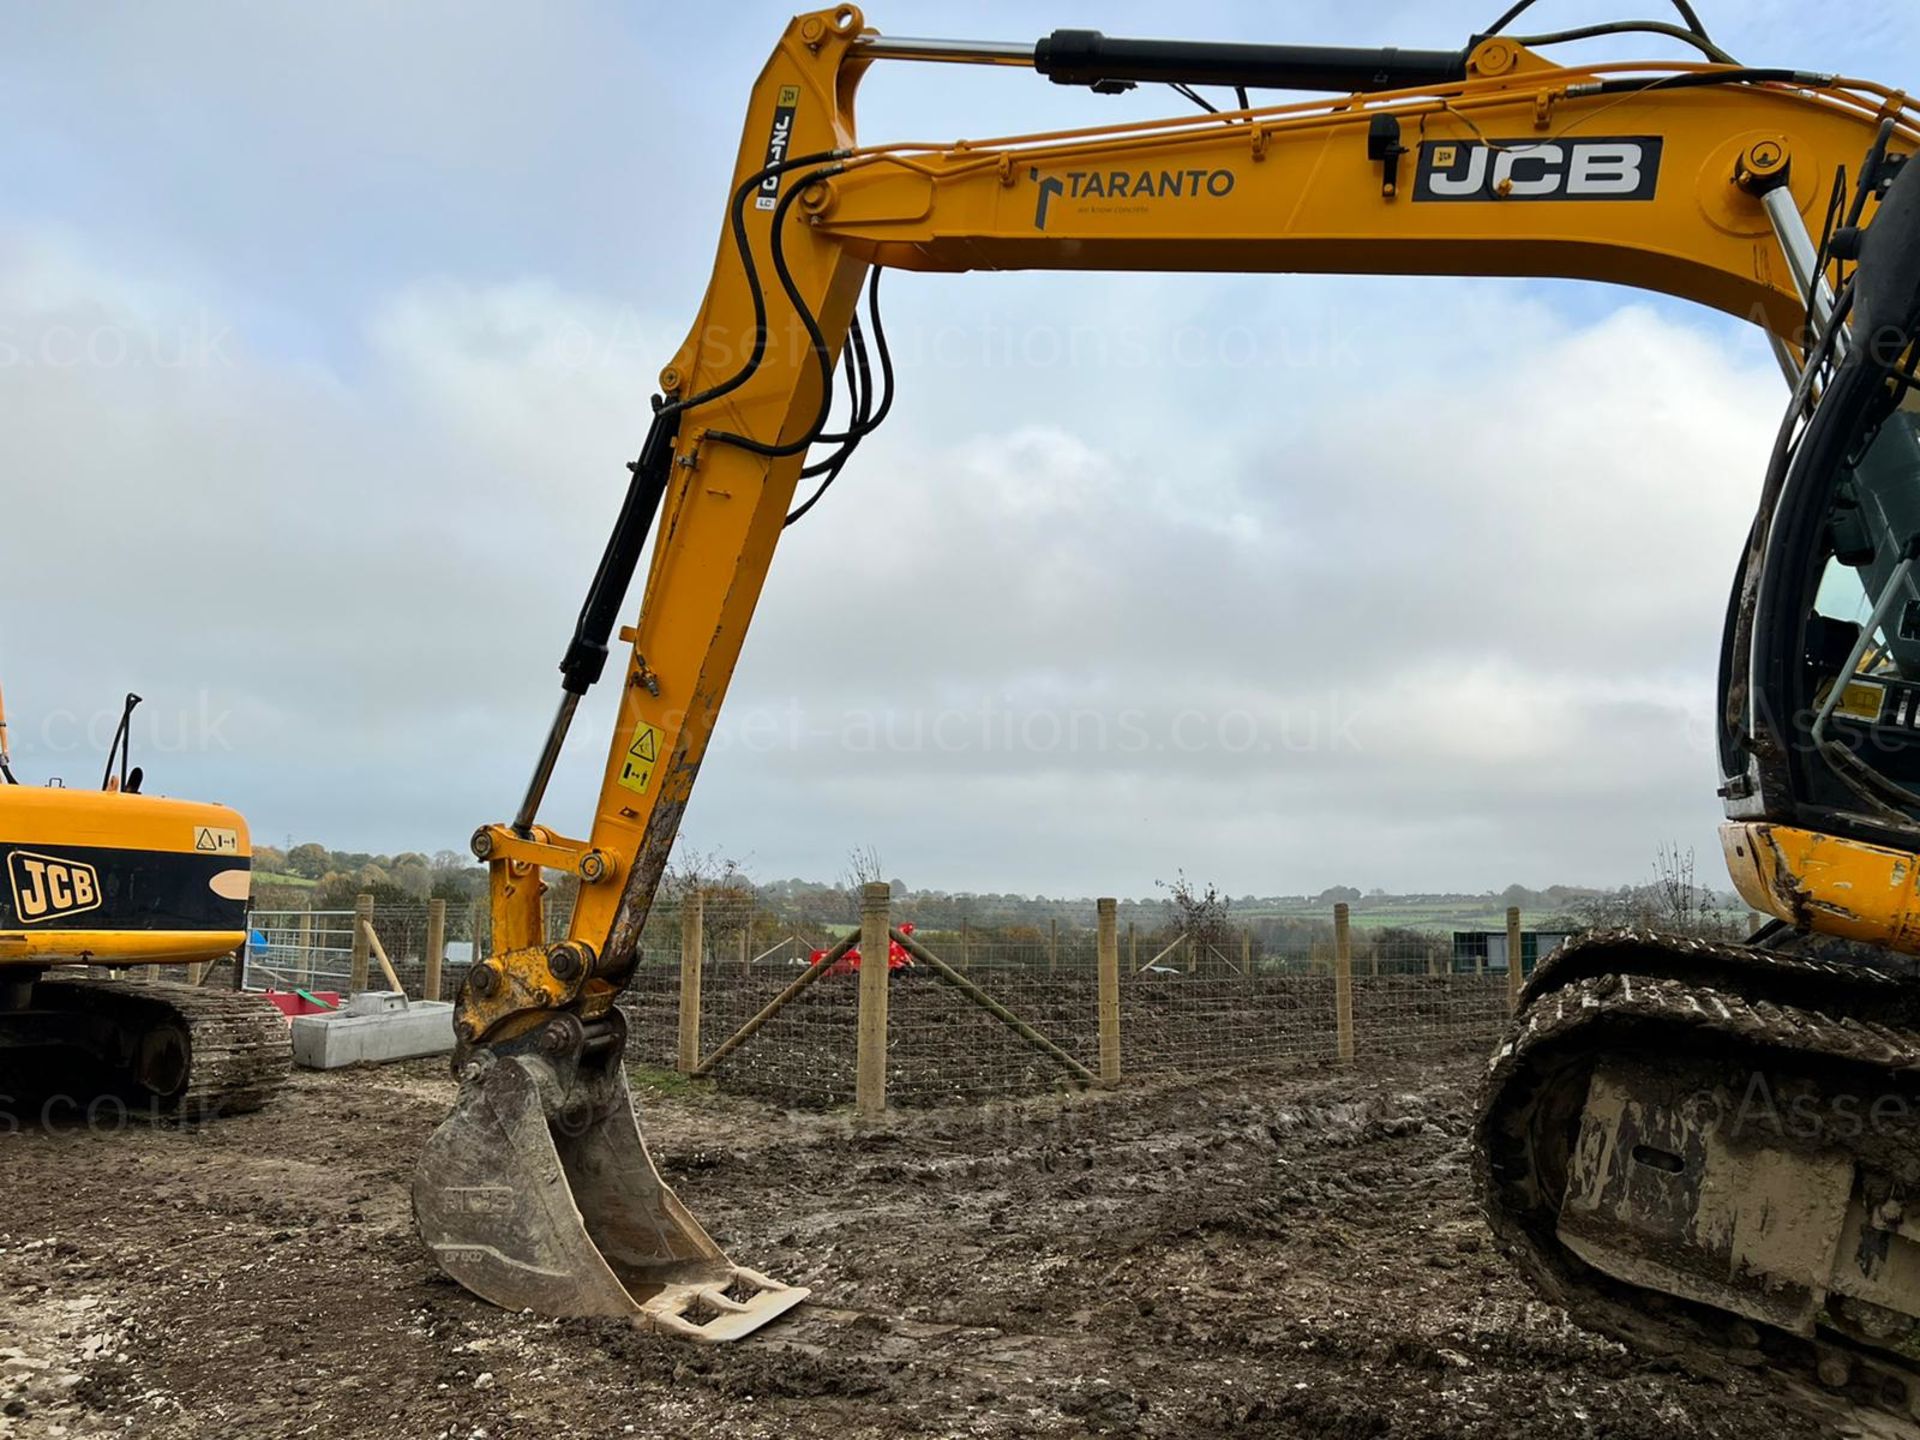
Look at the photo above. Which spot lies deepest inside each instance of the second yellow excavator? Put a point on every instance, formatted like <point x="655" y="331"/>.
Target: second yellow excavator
<point x="1629" y="1164"/>
<point x="113" y="878"/>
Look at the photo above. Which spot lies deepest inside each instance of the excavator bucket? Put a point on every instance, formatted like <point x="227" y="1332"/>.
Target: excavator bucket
<point x="538" y="1193"/>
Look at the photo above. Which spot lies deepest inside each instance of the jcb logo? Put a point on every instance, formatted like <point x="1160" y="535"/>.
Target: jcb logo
<point x="46" y="887"/>
<point x="1623" y="167"/>
<point x="779" y="142"/>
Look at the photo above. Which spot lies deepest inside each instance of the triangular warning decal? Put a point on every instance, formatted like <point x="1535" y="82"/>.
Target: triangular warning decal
<point x="636" y="769"/>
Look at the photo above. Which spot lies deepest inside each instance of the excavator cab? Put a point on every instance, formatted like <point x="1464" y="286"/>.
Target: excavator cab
<point x="1820" y="690"/>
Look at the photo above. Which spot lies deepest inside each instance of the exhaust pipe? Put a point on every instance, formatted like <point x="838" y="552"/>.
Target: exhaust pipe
<point x="537" y="1193"/>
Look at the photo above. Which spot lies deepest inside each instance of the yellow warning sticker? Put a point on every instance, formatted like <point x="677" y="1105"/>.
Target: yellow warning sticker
<point x="212" y="840"/>
<point x="636" y="767"/>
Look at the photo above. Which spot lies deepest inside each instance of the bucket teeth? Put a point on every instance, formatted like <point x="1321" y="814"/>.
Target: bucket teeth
<point x="538" y="1193"/>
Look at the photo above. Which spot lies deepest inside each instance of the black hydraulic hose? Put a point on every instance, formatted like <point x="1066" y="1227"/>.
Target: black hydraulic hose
<point x="1687" y="14"/>
<point x="816" y="338"/>
<point x="737" y="223"/>
<point x="1700" y="80"/>
<point x="880" y="350"/>
<point x="1695" y="38"/>
<point x="835" y="463"/>
<point x="853" y="359"/>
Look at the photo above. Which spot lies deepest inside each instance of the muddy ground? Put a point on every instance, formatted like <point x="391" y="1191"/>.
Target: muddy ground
<point x="1254" y="1254"/>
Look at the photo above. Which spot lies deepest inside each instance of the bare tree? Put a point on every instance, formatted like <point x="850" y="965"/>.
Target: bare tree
<point x="729" y="900"/>
<point x="1203" y="916"/>
<point x="864" y="867"/>
<point x="1673" y="901"/>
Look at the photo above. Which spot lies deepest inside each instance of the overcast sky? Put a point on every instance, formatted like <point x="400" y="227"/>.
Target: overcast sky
<point x="325" y="331"/>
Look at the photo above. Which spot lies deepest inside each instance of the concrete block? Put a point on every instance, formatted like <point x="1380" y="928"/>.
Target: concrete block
<point x="374" y="1002"/>
<point x="374" y="1029"/>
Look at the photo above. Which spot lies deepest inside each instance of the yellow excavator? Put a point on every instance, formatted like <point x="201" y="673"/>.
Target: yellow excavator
<point x="115" y="878"/>
<point x="1709" y="1150"/>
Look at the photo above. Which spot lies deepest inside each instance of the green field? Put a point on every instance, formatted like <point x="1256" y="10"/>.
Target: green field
<point x="283" y="882"/>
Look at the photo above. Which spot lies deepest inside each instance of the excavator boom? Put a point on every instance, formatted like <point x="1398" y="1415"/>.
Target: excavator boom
<point x="1706" y="180"/>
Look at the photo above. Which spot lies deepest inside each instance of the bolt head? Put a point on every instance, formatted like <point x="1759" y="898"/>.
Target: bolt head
<point x="566" y="962"/>
<point x="481" y="844"/>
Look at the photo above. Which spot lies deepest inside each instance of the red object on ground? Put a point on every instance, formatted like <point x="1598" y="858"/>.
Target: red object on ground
<point x="291" y="1005"/>
<point x="897" y="958"/>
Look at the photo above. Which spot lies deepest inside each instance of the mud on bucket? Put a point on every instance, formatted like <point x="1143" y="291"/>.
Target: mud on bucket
<point x="537" y="1193"/>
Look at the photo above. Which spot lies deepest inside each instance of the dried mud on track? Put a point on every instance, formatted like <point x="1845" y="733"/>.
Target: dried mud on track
<point x="1254" y="1254"/>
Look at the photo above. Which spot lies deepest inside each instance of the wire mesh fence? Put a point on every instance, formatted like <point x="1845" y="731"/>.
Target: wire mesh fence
<point x="1019" y="1012"/>
<point x="979" y="1010"/>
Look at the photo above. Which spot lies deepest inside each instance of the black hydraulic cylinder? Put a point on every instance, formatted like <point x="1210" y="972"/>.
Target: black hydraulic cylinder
<point x="587" y="652"/>
<point x="1086" y="57"/>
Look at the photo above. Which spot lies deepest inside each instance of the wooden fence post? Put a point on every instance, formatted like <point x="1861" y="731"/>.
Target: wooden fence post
<point x="362" y="918"/>
<point x="1343" y="983"/>
<point x="303" y="969"/>
<point x="386" y="964"/>
<point x="693" y="934"/>
<point x="870" y="1077"/>
<point x="746" y="956"/>
<point x="436" y="956"/>
<point x="1133" y="950"/>
<point x="966" y="944"/>
<point x="1514" y="977"/>
<point x="1109" y="959"/>
<point x="1053" y="945"/>
<point x="1246" y="954"/>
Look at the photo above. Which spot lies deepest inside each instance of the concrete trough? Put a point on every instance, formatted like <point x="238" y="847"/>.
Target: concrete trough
<point x="375" y="1028"/>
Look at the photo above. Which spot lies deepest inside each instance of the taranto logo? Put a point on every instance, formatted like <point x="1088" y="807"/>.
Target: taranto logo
<point x="1621" y="167"/>
<point x="779" y="143"/>
<point x="46" y="886"/>
<point x="1111" y="185"/>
